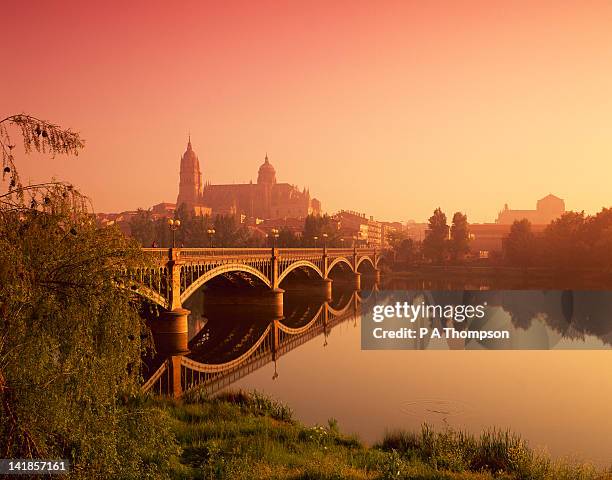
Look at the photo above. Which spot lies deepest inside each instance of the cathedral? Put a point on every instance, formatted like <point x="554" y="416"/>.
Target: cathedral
<point x="264" y="200"/>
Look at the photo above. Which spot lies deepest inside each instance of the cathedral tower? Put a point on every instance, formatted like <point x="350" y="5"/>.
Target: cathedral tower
<point x="190" y="185"/>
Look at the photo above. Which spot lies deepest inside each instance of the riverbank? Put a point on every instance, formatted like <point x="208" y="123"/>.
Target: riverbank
<point x="500" y="277"/>
<point x="248" y="436"/>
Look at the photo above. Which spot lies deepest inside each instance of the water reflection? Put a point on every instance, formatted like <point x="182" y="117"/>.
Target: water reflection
<point x="230" y="341"/>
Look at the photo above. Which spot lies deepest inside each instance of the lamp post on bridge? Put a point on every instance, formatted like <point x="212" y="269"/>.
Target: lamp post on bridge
<point x="324" y="242"/>
<point x="274" y="235"/>
<point x="174" y="225"/>
<point x="211" y="232"/>
<point x="315" y="241"/>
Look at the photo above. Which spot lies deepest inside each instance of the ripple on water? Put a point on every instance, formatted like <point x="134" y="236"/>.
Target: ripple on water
<point x="434" y="410"/>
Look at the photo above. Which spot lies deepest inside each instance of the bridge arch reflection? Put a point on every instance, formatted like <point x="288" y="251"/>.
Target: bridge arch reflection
<point x="229" y="345"/>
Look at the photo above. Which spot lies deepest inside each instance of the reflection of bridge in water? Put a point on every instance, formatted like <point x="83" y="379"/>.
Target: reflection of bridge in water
<point x="223" y="351"/>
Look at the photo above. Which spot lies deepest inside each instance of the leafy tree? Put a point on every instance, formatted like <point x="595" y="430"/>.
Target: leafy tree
<point x="316" y="226"/>
<point x="407" y="251"/>
<point x="287" y="239"/>
<point x="229" y="232"/>
<point x="70" y="337"/>
<point x="519" y="245"/>
<point x="460" y="236"/>
<point x="435" y="243"/>
<point x="142" y="228"/>
<point x="565" y="240"/>
<point x="597" y="233"/>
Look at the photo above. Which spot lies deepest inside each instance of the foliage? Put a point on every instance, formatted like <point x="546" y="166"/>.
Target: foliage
<point x="407" y="251"/>
<point x="317" y="226"/>
<point x="43" y="137"/>
<point x="228" y="436"/>
<point x="228" y="231"/>
<point x="435" y="244"/>
<point x="502" y="453"/>
<point x="193" y="232"/>
<point x="519" y="244"/>
<point x="70" y="337"/>
<point x="459" y="236"/>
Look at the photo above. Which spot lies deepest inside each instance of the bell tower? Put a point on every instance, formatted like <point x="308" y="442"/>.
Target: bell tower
<point x="190" y="184"/>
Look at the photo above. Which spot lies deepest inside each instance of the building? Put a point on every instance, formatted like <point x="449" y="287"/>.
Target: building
<point x="547" y="209"/>
<point x="356" y="227"/>
<point x="266" y="199"/>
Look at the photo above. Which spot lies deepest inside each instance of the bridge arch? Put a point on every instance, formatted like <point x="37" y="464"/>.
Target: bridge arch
<point x="365" y="258"/>
<point x="299" y="264"/>
<point x="149" y="294"/>
<point x="221" y="269"/>
<point x="341" y="310"/>
<point x="337" y="261"/>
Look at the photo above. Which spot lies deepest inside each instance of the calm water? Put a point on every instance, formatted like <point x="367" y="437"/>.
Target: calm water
<point x="560" y="400"/>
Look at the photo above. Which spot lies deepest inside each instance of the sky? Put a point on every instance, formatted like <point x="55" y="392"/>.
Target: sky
<point x="387" y="108"/>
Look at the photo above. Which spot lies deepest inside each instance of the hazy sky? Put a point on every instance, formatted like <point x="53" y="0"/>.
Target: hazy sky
<point x="391" y="108"/>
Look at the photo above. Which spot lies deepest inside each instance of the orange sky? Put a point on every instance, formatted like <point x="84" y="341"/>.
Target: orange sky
<point x="392" y="108"/>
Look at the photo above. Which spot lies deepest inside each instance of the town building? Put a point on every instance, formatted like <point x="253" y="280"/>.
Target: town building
<point x="356" y="228"/>
<point x="547" y="209"/>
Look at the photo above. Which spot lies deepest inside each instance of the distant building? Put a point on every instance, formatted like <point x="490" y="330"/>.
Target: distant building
<point x="266" y="199"/>
<point x="162" y="210"/>
<point x="488" y="237"/>
<point x="547" y="209"/>
<point x="356" y="227"/>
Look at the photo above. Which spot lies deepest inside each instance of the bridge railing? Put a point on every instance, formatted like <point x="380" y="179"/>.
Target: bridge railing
<point x="162" y="254"/>
<point x="224" y="252"/>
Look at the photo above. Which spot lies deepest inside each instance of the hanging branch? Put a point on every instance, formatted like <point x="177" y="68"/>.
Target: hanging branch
<point x="43" y="137"/>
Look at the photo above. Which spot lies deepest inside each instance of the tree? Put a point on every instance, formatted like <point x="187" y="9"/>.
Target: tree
<point x="287" y="239"/>
<point x="407" y="251"/>
<point x="565" y="241"/>
<point x="317" y="226"/>
<point x="435" y="243"/>
<point x="460" y="236"/>
<point x="519" y="245"/>
<point x="70" y="338"/>
<point x="142" y="227"/>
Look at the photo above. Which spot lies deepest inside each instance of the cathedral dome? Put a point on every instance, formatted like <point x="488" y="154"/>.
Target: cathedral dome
<point x="266" y="174"/>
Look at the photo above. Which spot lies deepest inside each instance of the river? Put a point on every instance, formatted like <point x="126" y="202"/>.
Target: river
<point x="559" y="400"/>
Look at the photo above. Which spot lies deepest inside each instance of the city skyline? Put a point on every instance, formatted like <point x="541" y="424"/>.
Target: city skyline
<point x="459" y="105"/>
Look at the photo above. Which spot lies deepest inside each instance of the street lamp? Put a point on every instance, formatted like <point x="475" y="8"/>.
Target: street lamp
<point x="342" y="242"/>
<point x="211" y="232"/>
<point x="274" y="235"/>
<point x="315" y="241"/>
<point x="325" y="240"/>
<point x="174" y="226"/>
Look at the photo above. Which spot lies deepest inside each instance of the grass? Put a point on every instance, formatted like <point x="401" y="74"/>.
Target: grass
<point x="243" y="435"/>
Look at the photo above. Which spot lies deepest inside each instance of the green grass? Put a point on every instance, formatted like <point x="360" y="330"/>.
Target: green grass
<point x="248" y="436"/>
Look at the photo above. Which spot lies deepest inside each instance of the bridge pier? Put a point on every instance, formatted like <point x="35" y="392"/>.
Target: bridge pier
<point x="377" y="275"/>
<point x="356" y="281"/>
<point x="170" y="332"/>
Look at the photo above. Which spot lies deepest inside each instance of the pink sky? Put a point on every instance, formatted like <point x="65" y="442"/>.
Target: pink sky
<point x="390" y="108"/>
